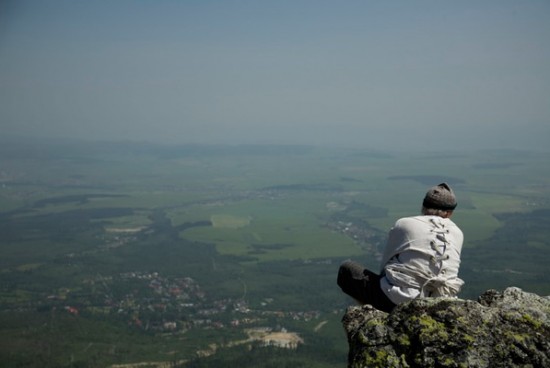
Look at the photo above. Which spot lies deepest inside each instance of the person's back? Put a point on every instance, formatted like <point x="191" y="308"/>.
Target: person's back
<point x="421" y="259"/>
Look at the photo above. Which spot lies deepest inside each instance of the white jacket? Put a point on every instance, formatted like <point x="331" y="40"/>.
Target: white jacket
<point x="422" y="259"/>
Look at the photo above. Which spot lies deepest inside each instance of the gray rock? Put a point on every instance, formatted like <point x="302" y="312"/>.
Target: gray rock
<point x="502" y="329"/>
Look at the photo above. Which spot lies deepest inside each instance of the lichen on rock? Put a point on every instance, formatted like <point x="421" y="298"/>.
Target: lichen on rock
<point x="501" y="329"/>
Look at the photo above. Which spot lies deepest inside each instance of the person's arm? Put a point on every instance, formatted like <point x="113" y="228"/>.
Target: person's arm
<point x="396" y="240"/>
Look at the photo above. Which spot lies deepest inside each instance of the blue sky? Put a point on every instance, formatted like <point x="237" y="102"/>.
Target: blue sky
<point x="442" y="75"/>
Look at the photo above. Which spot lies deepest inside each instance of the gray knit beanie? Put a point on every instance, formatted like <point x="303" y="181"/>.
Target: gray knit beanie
<point x="440" y="197"/>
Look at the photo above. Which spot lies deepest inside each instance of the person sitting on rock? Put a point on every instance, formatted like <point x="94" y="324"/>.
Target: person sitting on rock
<point x="421" y="258"/>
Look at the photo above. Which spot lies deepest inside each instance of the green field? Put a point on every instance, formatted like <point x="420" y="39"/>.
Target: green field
<point x="123" y="253"/>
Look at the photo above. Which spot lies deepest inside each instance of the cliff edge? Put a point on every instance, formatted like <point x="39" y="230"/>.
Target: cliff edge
<point x="501" y="329"/>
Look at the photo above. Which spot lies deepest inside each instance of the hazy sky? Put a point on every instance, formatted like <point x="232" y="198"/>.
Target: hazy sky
<point x="382" y="74"/>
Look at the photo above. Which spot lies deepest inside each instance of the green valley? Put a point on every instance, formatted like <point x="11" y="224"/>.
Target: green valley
<point x="127" y="255"/>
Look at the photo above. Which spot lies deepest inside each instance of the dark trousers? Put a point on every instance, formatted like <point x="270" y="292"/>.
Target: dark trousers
<point x="363" y="285"/>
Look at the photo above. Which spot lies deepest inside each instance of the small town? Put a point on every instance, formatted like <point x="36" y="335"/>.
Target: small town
<point x="151" y="302"/>
<point x="175" y="306"/>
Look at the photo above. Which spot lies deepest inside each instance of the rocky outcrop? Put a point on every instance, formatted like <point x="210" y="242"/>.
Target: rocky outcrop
<point x="501" y="329"/>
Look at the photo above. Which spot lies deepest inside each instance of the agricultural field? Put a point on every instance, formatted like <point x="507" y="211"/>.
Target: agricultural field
<point x="115" y="254"/>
